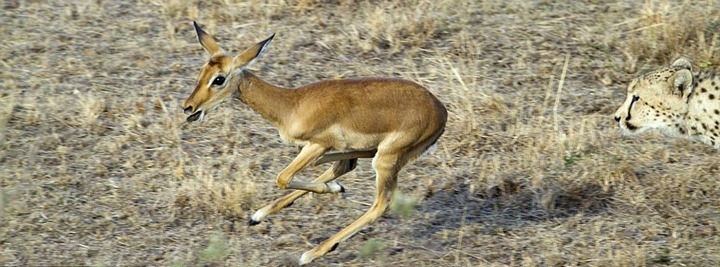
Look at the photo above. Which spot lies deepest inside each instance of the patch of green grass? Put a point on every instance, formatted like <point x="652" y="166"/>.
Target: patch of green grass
<point x="216" y="250"/>
<point x="372" y="249"/>
<point x="571" y="160"/>
<point x="403" y="206"/>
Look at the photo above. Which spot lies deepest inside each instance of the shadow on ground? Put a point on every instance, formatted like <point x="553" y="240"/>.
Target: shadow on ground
<point x="508" y="205"/>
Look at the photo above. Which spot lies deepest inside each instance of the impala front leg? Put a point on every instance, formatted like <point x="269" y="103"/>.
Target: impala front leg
<point x="309" y="154"/>
<point x="338" y="169"/>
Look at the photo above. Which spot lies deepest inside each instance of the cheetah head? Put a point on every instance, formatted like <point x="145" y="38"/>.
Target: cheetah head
<point x="657" y="100"/>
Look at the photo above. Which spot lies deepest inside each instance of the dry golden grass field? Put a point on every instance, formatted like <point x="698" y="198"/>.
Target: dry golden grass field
<point x="99" y="168"/>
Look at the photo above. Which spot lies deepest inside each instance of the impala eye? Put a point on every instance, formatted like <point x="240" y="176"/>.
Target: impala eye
<point x="219" y="80"/>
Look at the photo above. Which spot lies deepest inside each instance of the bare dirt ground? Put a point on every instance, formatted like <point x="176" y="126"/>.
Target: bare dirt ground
<point x="99" y="168"/>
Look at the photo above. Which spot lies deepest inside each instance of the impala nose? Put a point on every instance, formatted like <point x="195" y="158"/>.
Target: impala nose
<point x="188" y="109"/>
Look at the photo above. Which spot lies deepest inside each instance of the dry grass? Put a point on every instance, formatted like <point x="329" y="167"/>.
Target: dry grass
<point x="99" y="168"/>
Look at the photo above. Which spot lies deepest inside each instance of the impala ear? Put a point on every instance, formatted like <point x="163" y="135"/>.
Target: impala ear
<point x="248" y="57"/>
<point x="207" y="41"/>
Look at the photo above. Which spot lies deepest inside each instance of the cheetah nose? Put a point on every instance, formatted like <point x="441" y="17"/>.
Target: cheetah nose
<point x="617" y="118"/>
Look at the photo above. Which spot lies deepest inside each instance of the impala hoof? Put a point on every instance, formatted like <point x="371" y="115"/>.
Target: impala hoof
<point x="309" y="256"/>
<point x="305" y="258"/>
<point x="258" y="216"/>
<point x="335" y="187"/>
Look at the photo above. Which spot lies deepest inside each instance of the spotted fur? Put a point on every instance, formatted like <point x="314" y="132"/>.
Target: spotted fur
<point x="676" y="102"/>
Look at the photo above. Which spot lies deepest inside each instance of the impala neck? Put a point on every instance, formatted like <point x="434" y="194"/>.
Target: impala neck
<point x="271" y="102"/>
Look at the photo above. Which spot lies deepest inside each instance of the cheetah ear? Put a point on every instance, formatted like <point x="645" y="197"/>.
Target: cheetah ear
<point x="682" y="81"/>
<point x="682" y="63"/>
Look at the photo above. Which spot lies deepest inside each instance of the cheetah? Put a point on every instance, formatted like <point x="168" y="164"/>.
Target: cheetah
<point x="676" y="102"/>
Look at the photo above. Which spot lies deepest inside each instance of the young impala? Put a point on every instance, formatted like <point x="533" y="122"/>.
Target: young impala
<point x="392" y="121"/>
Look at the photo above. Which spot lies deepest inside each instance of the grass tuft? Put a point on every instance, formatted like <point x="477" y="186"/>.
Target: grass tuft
<point x="666" y="31"/>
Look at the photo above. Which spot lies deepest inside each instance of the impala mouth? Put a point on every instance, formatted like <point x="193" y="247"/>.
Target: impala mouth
<point x="196" y="116"/>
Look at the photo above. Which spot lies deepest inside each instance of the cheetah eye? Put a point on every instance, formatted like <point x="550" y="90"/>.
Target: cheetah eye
<point x="220" y="80"/>
<point x="635" y="98"/>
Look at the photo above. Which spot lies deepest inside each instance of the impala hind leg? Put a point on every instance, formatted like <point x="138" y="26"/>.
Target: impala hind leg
<point x="338" y="169"/>
<point x="308" y="154"/>
<point x="386" y="169"/>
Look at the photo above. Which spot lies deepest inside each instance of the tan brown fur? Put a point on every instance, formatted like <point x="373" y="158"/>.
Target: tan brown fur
<point x="391" y="120"/>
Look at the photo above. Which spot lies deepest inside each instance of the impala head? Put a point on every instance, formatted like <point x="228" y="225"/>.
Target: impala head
<point x="657" y="100"/>
<point x="219" y="78"/>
